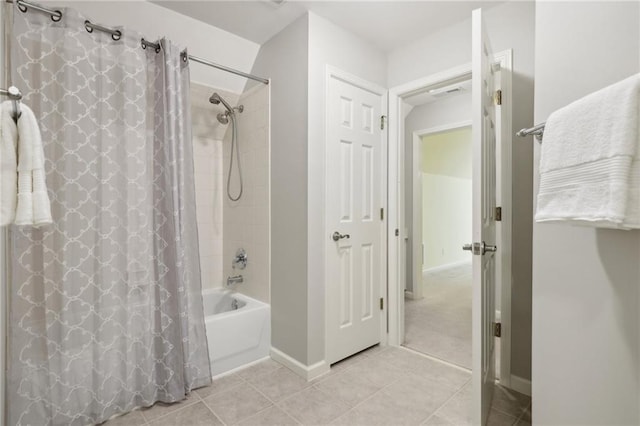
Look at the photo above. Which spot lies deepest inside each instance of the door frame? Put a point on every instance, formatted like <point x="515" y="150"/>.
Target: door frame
<point x="416" y="252"/>
<point x="334" y="72"/>
<point x="396" y="218"/>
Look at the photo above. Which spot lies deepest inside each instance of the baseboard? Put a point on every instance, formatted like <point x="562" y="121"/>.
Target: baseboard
<point x="443" y="267"/>
<point x="308" y="372"/>
<point x="521" y="385"/>
<point x="242" y="367"/>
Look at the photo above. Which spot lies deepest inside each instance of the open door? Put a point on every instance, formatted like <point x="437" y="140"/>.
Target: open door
<point x="483" y="246"/>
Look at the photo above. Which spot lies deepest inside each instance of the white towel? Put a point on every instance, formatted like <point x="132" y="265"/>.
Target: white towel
<point x="33" y="201"/>
<point x="590" y="160"/>
<point x="8" y="164"/>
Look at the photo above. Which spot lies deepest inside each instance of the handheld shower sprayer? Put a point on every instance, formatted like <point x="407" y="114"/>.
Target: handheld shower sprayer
<point x="223" y="118"/>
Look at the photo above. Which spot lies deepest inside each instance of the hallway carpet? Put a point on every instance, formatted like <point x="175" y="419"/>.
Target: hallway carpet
<point x="439" y="325"/>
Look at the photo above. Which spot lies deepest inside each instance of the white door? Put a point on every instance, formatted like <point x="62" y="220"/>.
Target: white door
<point x="484" y="233"/>
<point x="354" y="176"/>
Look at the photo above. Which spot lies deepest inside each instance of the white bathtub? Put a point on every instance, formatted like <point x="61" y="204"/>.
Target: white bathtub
<point x="236" y="336"/>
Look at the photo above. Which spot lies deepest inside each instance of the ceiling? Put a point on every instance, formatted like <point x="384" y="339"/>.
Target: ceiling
<point x="386" y="24"/>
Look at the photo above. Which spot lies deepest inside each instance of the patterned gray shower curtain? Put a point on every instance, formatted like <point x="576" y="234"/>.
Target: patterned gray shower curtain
<point x="105" y="304"/>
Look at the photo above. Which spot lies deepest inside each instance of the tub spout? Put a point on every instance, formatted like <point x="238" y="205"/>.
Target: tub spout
<point x="234" y="280"/>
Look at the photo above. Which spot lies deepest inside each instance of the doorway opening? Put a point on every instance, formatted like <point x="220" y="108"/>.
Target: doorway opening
<point x="405" y="253"/>
<point x="438" y="198"/>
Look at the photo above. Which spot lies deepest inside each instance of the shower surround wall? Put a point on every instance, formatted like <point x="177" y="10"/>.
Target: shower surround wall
<point x="208" y="141"/>
<point x="225" y="225"/>
<point x="246" y="221"/>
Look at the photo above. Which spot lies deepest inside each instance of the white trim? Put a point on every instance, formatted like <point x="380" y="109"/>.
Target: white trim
<point x="443" y="128"/>
<point x="306" y="372"/>
<point x="334" y="72"/>
<point x="354" y="80"/>
<point x="396" y="257"/>
<point x="505" y="59"/>
<point x="519" y="384"/>
<point x="416" y="239"/>
<point x="446" y="266"/>
<point x="396" y="254"/>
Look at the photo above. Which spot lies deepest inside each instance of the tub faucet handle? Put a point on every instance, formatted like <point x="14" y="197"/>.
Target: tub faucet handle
<point x="241" y="259"/>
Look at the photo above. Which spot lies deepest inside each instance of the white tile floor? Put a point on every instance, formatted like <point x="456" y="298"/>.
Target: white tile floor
<point x="380" y="386"/>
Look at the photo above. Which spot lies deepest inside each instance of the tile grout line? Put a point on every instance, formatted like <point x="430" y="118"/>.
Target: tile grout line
<point x="214" y="413"/>
<point x="523" y="413"/>
<point x="456" y="393"/>
<point x="396" y="380"/>
<point x="523" y="410"/>
<point x="172" y="411"/>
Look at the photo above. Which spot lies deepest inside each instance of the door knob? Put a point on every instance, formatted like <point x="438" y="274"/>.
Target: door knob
<point x="480" y="248"/>
<point x="338" y="236"/>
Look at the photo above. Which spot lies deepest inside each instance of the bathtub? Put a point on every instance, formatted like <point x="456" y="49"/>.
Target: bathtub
<point x="238" y="329"/>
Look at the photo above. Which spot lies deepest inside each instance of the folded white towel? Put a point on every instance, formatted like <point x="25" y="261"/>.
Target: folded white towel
<point x="33" y="201"/>
<point x="8" y="164"/>
<point x="590" y="160"/>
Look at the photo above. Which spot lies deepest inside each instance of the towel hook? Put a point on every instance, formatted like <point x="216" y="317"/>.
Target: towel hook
<point x="14" y="94"/>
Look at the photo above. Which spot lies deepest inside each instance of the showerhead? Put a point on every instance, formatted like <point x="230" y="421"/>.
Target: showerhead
<point x="216" y="99"/>
<point x="223" y="117"/>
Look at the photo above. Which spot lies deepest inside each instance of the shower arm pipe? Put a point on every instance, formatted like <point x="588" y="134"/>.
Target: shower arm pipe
<point x="56" y="15"/>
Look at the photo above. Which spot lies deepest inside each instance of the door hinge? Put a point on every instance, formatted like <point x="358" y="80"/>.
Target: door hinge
<point x="381" y="303"/>
<point x="498" y="214"/>
<point x="382" y="119"/>
<point x="498" y="97"/>
<point x="397" y="233"/>
<point x="497" y="329"/>
<point x="382" y="214"/>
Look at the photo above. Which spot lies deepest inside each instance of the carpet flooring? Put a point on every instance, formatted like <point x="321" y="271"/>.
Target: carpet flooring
<point x="439" y="324"/>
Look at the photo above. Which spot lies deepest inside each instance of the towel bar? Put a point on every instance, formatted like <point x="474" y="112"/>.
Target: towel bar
<point x="536" y="131"/>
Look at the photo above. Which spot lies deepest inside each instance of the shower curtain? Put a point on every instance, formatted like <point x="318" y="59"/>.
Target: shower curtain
<point x="105" y="304"/>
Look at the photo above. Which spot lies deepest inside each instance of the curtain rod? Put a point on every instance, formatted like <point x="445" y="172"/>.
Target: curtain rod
<point x="56" y="15"/>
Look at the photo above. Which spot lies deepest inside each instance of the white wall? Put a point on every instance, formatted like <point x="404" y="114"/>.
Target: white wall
<point x="328" y="45"/>
<point x="446" y="220"/>
<point x="446" y="197"/>
<point x="586" y="282"/>
<point x="203" y="40"/>
<point x="246" y="221"/>
<point x="295" y="60"/>
<point x="284" y="59"/>
<point x="453" y="109"/>
<point x="510" y="25"/>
